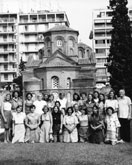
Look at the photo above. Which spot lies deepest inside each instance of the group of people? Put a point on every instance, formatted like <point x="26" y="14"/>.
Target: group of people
<point x="93" y="117"/>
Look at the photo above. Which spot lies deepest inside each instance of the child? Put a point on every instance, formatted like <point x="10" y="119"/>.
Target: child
<point x="18" y="125"/>
<point x="112" y="126"/>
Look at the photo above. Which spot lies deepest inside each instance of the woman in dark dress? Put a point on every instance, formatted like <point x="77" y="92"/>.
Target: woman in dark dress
<point x="96" y="125"/>
<point x="57" y="124"/>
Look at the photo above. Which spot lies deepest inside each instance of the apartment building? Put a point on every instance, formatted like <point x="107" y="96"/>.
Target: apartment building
<point x="21" y="34"/>
<point x="31" y="29"/>
<point x="101" y="27"/>
<point x="8" y="51"/>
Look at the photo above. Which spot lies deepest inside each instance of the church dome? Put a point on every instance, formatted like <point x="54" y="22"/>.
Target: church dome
<point x="62" y="28"/>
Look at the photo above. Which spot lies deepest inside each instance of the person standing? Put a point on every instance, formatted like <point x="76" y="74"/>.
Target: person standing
<point x="16" y="100"/>
<point x="124" y="115"/>
<point x="32" y="122"/>
<point x="70" y="127"/>
<point x="18" y="125"/>
<point x="28" y="102"/>
<point x="7" y="116"/>
<point x="47" y="124"/>
<point x="39" y="104"/>
<point x="57" y="124"/>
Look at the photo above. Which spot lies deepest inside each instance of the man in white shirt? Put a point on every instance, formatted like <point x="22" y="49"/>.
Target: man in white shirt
<point x="39" y="104"/>
<point x="124" y="115"/>
<point x="63" y="101"/>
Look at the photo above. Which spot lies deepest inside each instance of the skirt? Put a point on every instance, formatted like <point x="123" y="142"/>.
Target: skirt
<point x="111" y="136"/>
<point x="70" y="137"/>
<point x="45" y="132"/>
<point x="32" y="135"/>
<point x="56" y="129"/>
<point x="84" y="133"/>
<point x="8" y="116"/>
<point x="19" y="133"/>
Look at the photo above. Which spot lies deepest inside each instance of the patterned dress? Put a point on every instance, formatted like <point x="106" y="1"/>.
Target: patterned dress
<point x="112" y="123"/>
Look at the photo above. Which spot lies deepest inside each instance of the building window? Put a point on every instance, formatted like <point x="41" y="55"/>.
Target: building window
<point x="81" y="53"/>
<point x="70" y="43"/>
<point x="71" y="51"/>
<point x="48" y="53"/>
<point x="68" y="83"/>
<point x="59" y="43"/>
<point x="5" y="76"/>
<point x="5" y="67"/>
<point x="55" y="82"/>
<point x="26" y="28"/>
<point x="48" y="42"/>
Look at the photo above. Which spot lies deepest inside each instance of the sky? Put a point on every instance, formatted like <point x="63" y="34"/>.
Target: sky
<point x="79" y="12"/>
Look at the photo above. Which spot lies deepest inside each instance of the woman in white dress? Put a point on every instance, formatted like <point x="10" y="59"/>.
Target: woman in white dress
<point x="7" y="116"/>
<point x="46" y="127"/>
<point x="18" y="125"/>
<point x="70" y="126"/>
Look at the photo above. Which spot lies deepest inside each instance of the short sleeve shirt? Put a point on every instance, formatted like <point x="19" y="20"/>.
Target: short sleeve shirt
<point x="111" y="103"/>
<point x="19" y="117"/>
<point x="124" y="104"/>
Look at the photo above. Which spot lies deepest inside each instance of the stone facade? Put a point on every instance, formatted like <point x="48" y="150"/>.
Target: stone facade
<point x="63" y="64"/>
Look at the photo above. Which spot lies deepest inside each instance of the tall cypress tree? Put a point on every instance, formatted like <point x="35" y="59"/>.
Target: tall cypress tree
<point x="119" y="61"/>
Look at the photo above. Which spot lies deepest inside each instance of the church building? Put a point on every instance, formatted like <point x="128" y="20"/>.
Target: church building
<point x="63" y="65"/>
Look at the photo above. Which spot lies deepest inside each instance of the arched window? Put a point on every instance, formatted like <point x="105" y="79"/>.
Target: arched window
<point x="55" y="82"/>
<point x="48" y="53"/>
<point x="48" y="42"/>
<point x="71" y="51"/>
<point x="59" y="43"/>
<point x="88" y="53"/>
<point x="71" y="43"/>
<point x="81" y="53"/>
<point x="68" y="83"/>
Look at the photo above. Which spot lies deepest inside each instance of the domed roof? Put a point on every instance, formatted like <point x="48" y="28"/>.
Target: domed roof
<point x="59" y="28"/>
<point x="81" y="44"/>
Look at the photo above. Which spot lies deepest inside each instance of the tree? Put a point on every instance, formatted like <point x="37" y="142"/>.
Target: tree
<point x="119" y="62"/>
<point x="18" y="80"/>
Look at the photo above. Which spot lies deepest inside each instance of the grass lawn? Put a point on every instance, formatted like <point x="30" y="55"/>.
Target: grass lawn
<point x="65" y="154"/>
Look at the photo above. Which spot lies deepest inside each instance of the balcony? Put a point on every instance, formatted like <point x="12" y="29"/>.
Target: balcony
<point x="2" y="31"/>
<point x="8" y="20"/>
<point x="100" y="45"/>
<point x="100" y="55"/>
<point x="8" y="70"/>
<point x="5" y="42"/>
<point x="6" y="51"/>
<point x="2" y="61"/>
<point x="30" y="51"/>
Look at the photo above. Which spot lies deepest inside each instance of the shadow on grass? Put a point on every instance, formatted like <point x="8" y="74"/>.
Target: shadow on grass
<point x="18" y="162"/>
<point x="48" y="162"/>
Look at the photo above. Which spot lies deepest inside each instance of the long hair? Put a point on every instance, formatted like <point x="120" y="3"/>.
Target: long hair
<point x="103" y="97"/>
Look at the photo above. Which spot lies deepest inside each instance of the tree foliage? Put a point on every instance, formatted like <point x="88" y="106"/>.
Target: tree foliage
<point x="119" y="61"/>
<point x="18" y="80"/>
